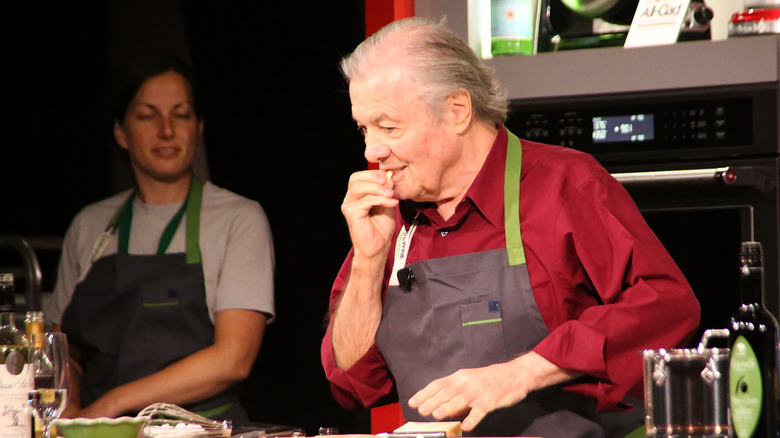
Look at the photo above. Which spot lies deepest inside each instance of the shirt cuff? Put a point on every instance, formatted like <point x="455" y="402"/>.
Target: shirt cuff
<point x="577" y="347"/>
<point x="363" y="384"/>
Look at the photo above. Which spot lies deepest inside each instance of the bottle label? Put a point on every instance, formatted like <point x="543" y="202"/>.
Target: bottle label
<point x="15" y="382"/>
<point x="512" y="24"/>
<point x="746" y="390"/>
<point x="512" y="18"/>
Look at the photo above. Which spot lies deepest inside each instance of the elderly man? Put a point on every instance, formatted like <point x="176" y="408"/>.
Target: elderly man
<point x="508" y="284"/>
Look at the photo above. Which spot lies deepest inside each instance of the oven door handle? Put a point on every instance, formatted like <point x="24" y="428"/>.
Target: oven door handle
<point x="725" y="175"/>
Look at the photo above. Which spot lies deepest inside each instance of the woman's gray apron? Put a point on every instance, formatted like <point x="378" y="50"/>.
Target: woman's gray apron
<point x="474" y="310"/>
<point x="133" y="315"/>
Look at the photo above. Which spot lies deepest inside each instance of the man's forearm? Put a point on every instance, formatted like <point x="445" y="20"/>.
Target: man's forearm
<point x="537" y="372"/>
<point x="359" y="311"/>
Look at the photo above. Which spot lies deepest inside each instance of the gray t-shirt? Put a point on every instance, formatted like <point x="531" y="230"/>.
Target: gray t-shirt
<point x="235" y="243"/>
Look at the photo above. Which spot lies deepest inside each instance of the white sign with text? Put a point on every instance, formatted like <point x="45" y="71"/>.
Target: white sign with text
<point x="656" y="22"/>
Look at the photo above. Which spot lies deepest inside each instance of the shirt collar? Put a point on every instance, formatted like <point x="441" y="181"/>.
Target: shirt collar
<point x="487" y="190"/>
<point x="486" y="194"/>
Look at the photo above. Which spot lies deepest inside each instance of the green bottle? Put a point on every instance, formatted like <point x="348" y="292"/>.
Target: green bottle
<point x="753" y="339"/>
<point x="512" y="27"/>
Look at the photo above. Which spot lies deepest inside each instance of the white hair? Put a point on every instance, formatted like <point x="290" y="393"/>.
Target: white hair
<point x="436" y="61"/>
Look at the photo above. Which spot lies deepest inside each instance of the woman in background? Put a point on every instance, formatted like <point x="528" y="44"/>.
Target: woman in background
<point x="164" y="290"/>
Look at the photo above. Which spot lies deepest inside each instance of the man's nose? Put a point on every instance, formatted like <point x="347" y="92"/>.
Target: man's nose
<point x="376" y="149"/>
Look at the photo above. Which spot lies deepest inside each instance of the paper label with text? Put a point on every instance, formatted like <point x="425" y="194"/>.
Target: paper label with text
<point x="656" y="22"/>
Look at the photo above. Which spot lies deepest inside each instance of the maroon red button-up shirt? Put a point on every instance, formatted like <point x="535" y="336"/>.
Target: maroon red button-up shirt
<point x="604" y="284"/>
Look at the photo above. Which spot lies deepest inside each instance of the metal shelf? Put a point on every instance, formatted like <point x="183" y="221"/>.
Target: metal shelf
<point x="684" y="65"/>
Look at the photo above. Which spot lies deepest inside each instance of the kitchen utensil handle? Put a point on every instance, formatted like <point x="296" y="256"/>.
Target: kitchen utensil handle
<point x="672" y="176"/>
<point x="712" y="333"/>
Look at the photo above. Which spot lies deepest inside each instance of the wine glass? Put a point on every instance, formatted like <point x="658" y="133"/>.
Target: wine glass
<point x="50" y="364"/>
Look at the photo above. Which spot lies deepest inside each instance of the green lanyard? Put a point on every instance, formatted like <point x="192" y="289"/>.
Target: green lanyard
<point x="514" y="160"/>
<point x="191" y="206"/>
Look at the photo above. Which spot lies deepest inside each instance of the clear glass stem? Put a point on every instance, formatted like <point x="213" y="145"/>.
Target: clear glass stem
<point x="47" y="429"/>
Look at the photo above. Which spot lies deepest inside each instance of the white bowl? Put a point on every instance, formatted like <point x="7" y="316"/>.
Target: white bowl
<point x="122" y="427"/>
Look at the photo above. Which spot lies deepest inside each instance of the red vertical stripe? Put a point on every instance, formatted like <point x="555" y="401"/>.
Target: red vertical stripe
<point x="381" y="12"/>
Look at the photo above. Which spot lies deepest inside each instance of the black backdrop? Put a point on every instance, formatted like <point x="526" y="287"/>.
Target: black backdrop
<point x="278" y="130"/>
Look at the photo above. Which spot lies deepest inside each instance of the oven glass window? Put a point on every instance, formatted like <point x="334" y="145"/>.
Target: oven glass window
<point x="704" y="243"/>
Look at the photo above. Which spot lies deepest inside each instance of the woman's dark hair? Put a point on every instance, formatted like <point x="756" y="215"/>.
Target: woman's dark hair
<point x="131" y="76"/>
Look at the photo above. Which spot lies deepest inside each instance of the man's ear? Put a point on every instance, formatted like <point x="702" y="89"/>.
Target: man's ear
<point x="119" y="135"/>
<point x="459" y="106"/>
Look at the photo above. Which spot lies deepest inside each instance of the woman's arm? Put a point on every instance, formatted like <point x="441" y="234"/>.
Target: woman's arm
<point x="207" y="372"/>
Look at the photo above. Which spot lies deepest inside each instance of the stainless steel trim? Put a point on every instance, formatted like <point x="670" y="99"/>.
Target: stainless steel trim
<point x="665" y="176"/>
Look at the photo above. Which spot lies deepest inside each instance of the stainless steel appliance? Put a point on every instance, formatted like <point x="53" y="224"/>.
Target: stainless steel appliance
<point x="700" y="160"/>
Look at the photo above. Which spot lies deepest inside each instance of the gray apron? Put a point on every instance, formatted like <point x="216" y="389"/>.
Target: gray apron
<point x="474" y="310"/>
<point x="133" y="315"/>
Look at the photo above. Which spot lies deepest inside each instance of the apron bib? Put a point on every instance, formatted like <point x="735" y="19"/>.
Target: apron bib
<point x="474" y="310"/>
<point x="133" y="315"/>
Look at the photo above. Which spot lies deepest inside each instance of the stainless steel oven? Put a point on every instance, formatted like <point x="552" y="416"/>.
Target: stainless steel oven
<point x="701" y="164"/>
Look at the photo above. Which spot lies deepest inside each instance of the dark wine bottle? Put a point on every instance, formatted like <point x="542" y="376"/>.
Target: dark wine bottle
<point x="753" y="339"/>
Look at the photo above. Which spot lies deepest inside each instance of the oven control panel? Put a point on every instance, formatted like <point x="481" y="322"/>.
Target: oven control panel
<point x="643" y="128"/>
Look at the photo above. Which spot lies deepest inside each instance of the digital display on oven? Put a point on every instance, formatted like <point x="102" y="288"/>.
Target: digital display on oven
<point x="627" y="128"/>
<point x="641" y="129"/>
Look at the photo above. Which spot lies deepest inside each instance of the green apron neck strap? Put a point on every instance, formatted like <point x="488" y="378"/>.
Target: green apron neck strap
<point x="194" y="202"/>
<point x="191" y="206"/>
<point x="124" y="216"/>
<point x="514" y="159"/>
<point x="170" y="229"/>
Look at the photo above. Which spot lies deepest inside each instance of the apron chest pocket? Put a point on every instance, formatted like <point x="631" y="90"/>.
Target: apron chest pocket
<point x="483" y="333"/>
<point x="160" y="320"/>
<point x="160" y="297"/>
